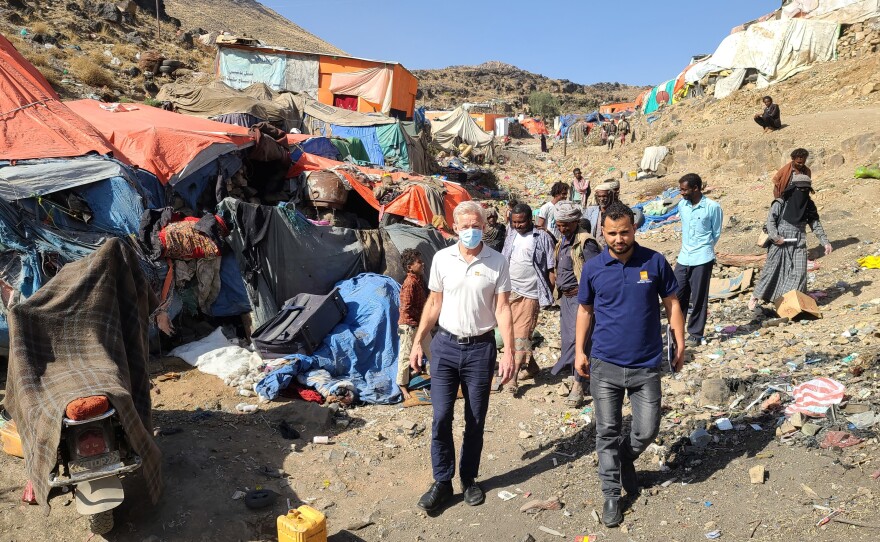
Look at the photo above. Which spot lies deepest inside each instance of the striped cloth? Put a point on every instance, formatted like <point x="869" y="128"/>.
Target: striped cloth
<point x="83" y="333"/>
<point x="814" y="397"/>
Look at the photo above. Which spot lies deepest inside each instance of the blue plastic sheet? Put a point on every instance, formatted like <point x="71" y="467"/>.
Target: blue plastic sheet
<point x="368" y="136"/>
<point x="152" y="189"/>
<point x="652" y="222"/>
<point x="319" y="146"/>
<point x="232" y="299"/>
<point x="362" y="349"/>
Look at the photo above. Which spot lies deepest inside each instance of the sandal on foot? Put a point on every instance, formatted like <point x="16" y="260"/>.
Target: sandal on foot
<point x="575" y="396"/>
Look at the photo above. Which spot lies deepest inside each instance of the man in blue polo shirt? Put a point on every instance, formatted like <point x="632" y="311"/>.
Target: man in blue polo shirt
<point x="621" y="289"/>
<point x="700" y="229"/>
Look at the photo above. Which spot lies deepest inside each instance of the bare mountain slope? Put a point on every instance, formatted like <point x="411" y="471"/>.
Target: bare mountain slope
<point x="247" y="18"/>
<point x="448" y="87"/>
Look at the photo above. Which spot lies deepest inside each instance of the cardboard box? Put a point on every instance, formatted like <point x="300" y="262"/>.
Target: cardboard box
<point x="794" y="303"/>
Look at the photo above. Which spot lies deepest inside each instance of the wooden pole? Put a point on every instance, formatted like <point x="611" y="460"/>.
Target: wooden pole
<point x="158" y="25"/>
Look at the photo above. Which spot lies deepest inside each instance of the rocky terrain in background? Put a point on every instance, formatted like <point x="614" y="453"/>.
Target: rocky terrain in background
<point x="447" y="88"/>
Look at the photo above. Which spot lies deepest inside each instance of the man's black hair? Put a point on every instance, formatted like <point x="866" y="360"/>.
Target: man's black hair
<point x="410" y="256"/>
<point x="799" y="153"/>
<point x="693" y="180"/>
<point x="559" y="189"/>
<point x="767" y="98"/>
<point x="576" y="170"/>
<point x="522" y="209"/>
<point x="618" y="210"/>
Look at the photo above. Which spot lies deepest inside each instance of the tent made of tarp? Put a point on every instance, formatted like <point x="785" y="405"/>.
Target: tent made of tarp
<point x="661" y="94"/>
<point x="414" y="202"/>
<point x="220" y="102"/>
<point x="776" y="49"/>
<point x="836" y="11"/>
<point x="317" y="145"/>
<point x="33" y="121"/>
<point x="169" y="145"/>
<point x="535" y="126"/>
<point x="458" y="127"/>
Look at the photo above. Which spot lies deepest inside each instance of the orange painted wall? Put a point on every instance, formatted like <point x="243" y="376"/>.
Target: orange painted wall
<point x="404" y="84"/>
<point x="607" y="109"/>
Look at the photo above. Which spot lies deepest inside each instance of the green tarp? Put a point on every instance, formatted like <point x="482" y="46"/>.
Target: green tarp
<point x="353" y="148"/>
<point x="394" y="146"/>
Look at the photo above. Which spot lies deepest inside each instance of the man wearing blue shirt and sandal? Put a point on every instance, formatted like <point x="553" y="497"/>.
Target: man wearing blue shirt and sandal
<point x="621" y="290"/>
<point x="700" y="229"/>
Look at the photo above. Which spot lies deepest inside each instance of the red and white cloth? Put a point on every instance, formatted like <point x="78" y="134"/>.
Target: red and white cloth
<point x="814" y="397"/>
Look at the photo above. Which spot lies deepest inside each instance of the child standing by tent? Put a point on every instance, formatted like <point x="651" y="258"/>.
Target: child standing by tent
<point x="413" y="295"/>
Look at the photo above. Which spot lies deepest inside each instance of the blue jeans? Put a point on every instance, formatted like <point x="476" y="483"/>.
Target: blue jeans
<point x="470" y="366"/>
<point x="608" y="384"/>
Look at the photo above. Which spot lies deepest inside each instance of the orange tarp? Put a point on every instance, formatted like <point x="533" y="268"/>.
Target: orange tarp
<point x="404" y="85"/>
<point x="33" y="121"/>
<point x="412" y="203"/>
<point x="159" y="141"/>
<point x="534" y="126"/>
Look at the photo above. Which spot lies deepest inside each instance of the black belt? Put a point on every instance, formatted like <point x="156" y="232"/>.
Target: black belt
<point x="469" y="340"/>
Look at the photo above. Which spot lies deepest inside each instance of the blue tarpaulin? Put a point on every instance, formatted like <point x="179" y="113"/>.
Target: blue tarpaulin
<point x="367" y="135"/>
<point x="651" y="221"/>
<point x="232" y="299"/>
<point x="362" y="349"/>
<point x="567" y="121"/>
<point x="319" y="146"/>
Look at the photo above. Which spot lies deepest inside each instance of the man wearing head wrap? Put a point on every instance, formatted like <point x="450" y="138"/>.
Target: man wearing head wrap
<point x="786" y="266"/>
<point x="605" y="194"/>
<point x="575" y="247"/>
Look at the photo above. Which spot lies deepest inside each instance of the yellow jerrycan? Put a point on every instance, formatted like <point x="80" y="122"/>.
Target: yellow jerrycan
<point x="303" y="524"/>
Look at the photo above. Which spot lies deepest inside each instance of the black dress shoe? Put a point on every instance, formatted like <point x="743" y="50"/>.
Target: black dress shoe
<point x="628" y="478"/>
<point x="436" y="496"/>
<point x="611" y="514"/>
<point x="473" y="494"/>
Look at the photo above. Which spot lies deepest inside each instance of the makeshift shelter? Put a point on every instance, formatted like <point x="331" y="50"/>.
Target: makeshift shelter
<point x="218" y="101"/>
<point x="458" y="127"/>
<point x="351" y="83"/>
<point x="178" y="149"/>
<point x="775" y="49"/>
<point x="535" y="126"/>
<point x="659" y="95"/>
<point x="418" y="198"/>
<point x="33" y="121"/>
<point x="836" y="11"/>
<point x="617" y="107"/>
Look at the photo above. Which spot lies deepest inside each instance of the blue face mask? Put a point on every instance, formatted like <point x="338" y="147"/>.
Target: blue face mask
<point x="470" y="237"/>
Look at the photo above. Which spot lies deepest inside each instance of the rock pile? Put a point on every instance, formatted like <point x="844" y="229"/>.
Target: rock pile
<point x="859" y="39"/>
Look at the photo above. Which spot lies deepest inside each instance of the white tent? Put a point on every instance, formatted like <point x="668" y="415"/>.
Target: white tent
<point x="777" y="49"/>
<point x="837" y="11"/>
<point x="459" y="127"/>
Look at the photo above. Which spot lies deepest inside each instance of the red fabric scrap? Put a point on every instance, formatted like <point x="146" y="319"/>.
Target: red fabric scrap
<point x="297" y="391"/>
<point x="839" y="439"/>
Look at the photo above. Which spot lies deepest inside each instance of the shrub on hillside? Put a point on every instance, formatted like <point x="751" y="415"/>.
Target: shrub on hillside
<point x="543" y="104"/>
<point x="91" y="74"/>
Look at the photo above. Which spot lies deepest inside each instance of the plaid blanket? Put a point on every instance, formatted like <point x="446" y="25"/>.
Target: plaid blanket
<point x="83" y="333"/>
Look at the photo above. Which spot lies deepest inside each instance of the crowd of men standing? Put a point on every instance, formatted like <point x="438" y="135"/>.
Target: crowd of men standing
<point x="609" y="290"/>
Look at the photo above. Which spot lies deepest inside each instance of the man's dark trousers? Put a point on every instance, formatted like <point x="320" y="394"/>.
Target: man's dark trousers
<point x="608" y="384"/>
<point x="693" y="291"/>
<point x="567" y="330"/>
<point x="471" y="366"/>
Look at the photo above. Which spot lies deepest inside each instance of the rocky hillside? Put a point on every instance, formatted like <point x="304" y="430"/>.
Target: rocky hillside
<point x="98" y="49"/>
<point x="248" y="18"/>
<point x="448" y="87"/>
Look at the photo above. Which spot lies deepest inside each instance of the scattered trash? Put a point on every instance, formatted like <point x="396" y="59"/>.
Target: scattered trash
<point x="863" y="420"/>
<point x="724" y="424"/>
<point x="712" y="535"/>
<point x="814" y="397"/>
<point x="238" y="495"/>
<point x="548" y="530"/>
<point x="700" y="438"/>
<point x="839" y="439"/>
<point x="257" y="499"/>
<point x="246" y="408"/>
<point x="535" y="506"/>
<point x="505" y="495"/>
<point x="321" y="440"/>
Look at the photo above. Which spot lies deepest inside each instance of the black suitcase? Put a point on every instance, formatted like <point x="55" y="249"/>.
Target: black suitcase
<point x="300" y="325"/>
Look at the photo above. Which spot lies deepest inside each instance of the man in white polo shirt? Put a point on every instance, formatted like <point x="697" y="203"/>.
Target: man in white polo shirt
<point x="470" y="295"/>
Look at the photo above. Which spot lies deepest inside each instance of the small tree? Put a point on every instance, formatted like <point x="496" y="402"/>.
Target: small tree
<point x="543" y="104"/>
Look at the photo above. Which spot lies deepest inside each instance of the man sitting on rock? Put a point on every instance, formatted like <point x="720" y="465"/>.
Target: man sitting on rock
<point x="769" y="119"/>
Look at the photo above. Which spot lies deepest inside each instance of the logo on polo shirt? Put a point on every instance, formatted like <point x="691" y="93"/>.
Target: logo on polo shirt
<point x="643" y="278"/>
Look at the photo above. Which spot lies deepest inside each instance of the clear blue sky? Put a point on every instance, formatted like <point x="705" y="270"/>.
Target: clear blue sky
<point x="638" y="42"/>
